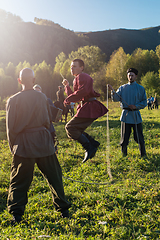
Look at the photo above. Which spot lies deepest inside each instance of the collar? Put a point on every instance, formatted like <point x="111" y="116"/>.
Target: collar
<point x="132" y="83"/>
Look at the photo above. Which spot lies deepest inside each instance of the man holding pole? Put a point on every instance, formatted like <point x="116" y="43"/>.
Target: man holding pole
<point x="133" y="98"/>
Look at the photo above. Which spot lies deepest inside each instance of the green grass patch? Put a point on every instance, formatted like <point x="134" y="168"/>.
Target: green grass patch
<point x="126" y="208"/>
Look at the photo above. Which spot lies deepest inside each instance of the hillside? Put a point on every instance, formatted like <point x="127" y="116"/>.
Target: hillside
<point x="111" y="40"/>
<point x="34" y="43"/>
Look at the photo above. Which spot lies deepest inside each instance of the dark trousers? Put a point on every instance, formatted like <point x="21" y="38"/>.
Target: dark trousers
<point x="76" y="126"/>
<point x="149" y="106"/>
<point x="21" y="178"/>
<point x="138" y="136"/>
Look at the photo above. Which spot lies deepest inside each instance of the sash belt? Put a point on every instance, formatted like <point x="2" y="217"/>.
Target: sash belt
<point x="36" y="129"/>
<point x="130" y="109"/>
<point x="88" y="100"/>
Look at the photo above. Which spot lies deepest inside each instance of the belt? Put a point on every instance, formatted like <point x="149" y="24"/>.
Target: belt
<point x="130" y="109"/>
<point x="88" y="100"/>
<point x="36" y="129"/>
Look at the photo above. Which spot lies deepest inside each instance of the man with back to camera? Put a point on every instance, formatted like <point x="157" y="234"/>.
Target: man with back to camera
<point x="27" y="121"/>
<point x="133" y="98"/>
<point x="87" y="111"/>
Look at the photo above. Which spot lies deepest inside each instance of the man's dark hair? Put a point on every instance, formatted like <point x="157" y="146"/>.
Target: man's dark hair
<point x="80" y="62"/>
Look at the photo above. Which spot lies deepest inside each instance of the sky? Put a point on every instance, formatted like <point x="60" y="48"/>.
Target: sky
<point x="88" y="15"/>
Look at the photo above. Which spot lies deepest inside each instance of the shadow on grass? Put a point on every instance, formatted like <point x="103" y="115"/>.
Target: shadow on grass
<point x="117" y="124"/>
<point x="148" y="124"/>
<point x="112" y="123"/>
<point x="151" y="163"/>
<point x="3" y="201"/>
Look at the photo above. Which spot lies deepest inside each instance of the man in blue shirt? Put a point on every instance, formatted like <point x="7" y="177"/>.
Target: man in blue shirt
<point x="133" y="98"/>
<point x="149" y="103"/>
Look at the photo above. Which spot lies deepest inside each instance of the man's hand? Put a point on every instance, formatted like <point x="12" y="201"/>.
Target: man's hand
<point x="65" y="82"/>
<point x="132" y="107"/>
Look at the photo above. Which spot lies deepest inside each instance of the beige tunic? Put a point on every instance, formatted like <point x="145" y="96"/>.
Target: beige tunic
<point x="29" y="110"/>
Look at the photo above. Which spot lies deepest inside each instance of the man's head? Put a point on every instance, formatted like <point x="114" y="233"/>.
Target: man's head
<point x="37" y="88"/>
<point x="26" y="78"/>
<point x="132" y="74"/>
<point x="60" y="87"/>
<point x="77" y="67"/>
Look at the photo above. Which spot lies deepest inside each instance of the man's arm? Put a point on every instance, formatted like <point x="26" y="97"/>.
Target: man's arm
<point x="115" y="95"/>
<point x="143" y="103"/>
<point x="10" y="122"/>
<point x="68" y="90"/>
<point x="75" y="96"/>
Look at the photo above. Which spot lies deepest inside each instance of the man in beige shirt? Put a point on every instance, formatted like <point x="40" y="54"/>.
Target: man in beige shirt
<point x="27" y="122"/>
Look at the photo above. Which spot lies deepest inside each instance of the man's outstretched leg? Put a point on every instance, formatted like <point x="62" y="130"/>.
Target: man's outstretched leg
<point x="86" y="144"/>
<point x="92" y="140"/>
<point x="51" y="169"/>
<point x="75" y="128"/>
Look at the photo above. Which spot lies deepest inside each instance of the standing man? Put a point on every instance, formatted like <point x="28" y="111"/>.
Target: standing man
<point x="133" y="98"/>
<point x="149" y="103"/>
<point x="27" y="121"/>
<point x="88" y="110"/>
<point x="51" y="128"/>
<point x="152" y="102"/>
<point x="156" y="102"/>
<point x="60" y="96"/>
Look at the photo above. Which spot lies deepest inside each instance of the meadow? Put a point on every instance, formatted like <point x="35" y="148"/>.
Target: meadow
<point x="124" y="205"/>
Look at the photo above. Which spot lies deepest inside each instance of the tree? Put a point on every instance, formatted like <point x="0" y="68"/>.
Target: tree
<point x="92" y="56"/>
<point x="144" y="61"/>
<point x="44" y="77"/>
<point x="116" y="69"/>
<point x="9" y="17"/>
<point x="158" y="51"/>
<point x="151" y="82"/>
<point x="8" y="85"/>
<point x="60" y="59"/>
<point x="65" y="70"/>
<point x="100" y="82"/>
<point x="10" y="70"/>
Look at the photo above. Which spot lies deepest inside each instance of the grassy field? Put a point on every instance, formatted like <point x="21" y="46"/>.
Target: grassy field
<point x="128" y="207"/>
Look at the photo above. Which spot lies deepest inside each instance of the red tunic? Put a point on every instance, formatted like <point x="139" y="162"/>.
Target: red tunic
<point x="83" y="90"/>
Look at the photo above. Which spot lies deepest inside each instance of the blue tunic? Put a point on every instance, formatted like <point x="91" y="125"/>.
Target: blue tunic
<point x="131" y="94"/>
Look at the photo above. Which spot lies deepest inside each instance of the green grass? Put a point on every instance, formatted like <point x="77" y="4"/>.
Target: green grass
<point x="128" y="207"/>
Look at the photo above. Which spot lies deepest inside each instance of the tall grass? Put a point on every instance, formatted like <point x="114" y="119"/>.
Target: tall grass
<point x="126" y="208"/>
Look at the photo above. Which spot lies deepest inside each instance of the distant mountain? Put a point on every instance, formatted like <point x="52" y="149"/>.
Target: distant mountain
<point x="110" y="40"/>
<point x="34" y="43"/>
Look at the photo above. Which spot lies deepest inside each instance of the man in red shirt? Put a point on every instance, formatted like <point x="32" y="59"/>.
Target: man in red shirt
<point x="88" y="110"/>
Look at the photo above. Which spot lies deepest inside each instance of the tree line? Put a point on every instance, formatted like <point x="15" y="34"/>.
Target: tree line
<point x="113" y="72"/>
<point x="9" y="17"/>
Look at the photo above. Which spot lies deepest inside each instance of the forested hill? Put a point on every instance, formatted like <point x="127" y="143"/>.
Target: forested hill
<point x="111" y="40"/>
<point x="25" y="41"/>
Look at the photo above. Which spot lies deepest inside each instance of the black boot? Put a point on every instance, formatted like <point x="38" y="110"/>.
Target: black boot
<point x="16" y="219"/>
<point x="124" y="151"/>
<point x="65" y="213"/>
<point x="90" y="149"/>
<point x="91" y="139"/>
<point x="142" y="150"/>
